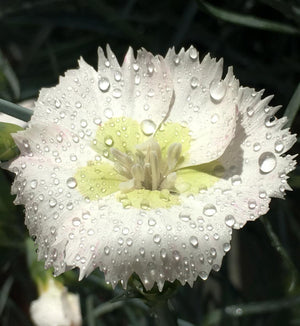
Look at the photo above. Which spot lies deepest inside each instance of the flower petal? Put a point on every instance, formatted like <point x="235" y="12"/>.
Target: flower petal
<point x="254" y="164"/>
<point x="204" y="102"/>
<point x="148" y="87"/>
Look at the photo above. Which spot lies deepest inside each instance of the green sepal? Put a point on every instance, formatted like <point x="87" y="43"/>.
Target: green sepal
<point x="8" y="147"/>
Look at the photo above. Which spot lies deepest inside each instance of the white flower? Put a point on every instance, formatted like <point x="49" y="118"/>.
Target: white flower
<point x="147" y="167"/>
<point x="56" y="307"/>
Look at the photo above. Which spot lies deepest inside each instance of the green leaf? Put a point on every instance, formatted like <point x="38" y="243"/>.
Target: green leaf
<point x="247" y="20"/>
<point x="8" y="148"/>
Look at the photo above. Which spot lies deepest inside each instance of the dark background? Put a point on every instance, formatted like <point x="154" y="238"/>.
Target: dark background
<point x="39" y="40"/>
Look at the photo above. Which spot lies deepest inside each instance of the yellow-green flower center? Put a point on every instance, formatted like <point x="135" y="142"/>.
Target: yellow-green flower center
<point x="142" y="165"/>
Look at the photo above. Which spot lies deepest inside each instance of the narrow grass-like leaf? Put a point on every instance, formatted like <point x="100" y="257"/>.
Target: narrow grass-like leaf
<point x="293" y="107"/>
<point x="289" y="265"/>
<point x="5" y="292"/>
<point x="247" y="20"/>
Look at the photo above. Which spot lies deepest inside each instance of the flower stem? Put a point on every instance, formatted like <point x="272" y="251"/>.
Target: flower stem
<point x="15" y="110"/>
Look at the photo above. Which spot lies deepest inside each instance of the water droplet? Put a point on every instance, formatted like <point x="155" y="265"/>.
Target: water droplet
<point x="279" y="146"/>
<point x="193" y="53"/>
<point x="176" y="255"/>
<point x="219" y="170"/>
<point x="163" y="253"/>
<point x="90" y="232"/>
<point x="203" y="275"/>
<point x="86" y="215"/>
<point x="209" y="210"/>
<point x="83" y="123"/>
<point x="52" y="202"/>
<point x="226" y="247"/>
<point x="117" y="93"/>
<point x="76" y="221"/>
<point x="252" y="204"/>
<point x="185" y="217"/>
<point x="118" y="76"/>
<point x="33" y="184"/>
<point x="151" y="222"/>
<point x="217" y="90"/>
<point x="194" y="82"/>
<point x="57" y="104"/>
<point x="157" y="238"/>
<point x="148" y="127"/>
<point x="109" y="141"/>
<point x="137" y="79"/>
<point x="71" y="183"/>
<point x="108" y="113"/>
<point x="194" y="241"/>
<point x="229" y="220"/>
<point x="106" y="250"/>
<point x="262" y="194"/>
<point x="267" y="162"/>
<point x="250" y="111"/>
<point x="256" y="147"/>
<point x="236" y="180"/>
<point x="103" y="84"/>
<point x="214" y="118"/>
<point x="270" y="121"/>
<point x="176" y="60"/>
<point x="135" y="66"/>
<point x="150" y="68"/>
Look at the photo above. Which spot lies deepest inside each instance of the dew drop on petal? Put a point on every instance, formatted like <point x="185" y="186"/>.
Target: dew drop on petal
<point x="217" y="90"/>
<point x="176" y="60"/>
<point x="226" y="247"/>
<point x="252" y="204"/>
<point x="76" y="221"/>
<point x="103" y="84"/>
<point x="33" y="184"/>
<point x="229" y="220"/>
<point x="194" y="82"/>
<point x="117" y="93"/>
<point x="256" y="147"/>
<point x="157" y="238"/>
<point x="279" y="146"/>
<point x="108" y="113"/>
<point x="148" y="127"/>
<point x="267" y="162"/>
<point x="236" y="180"/>
<point x="194" y="241"/>
<point x="214" y="118"/>
<point x="209" y="210"/>
<point x="52" y="202"/>
<point x="163" y="253"/>
<point x="109" y="141"/>
<point x="71" y="183"/>
<point x="203" y="275"/>
<point x="193" y="53"/>
<point x="106" y="250"/>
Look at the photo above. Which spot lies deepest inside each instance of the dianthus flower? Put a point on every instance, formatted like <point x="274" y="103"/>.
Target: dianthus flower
<point x="147" y="167"/>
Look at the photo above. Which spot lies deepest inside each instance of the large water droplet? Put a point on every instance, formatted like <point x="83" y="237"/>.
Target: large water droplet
<point x="148" y="127"/>
<point x="33" y="184"/>
<point x="193" y="53"/>
<point x="229" y="220"/>
<point x="209" y="210"/>
<point x="117" y="93"/>
<point x="71" y="183"/>
<point x="217" y="90"/>
<point x="103" y="84"/>
<point x="267" y="162"/>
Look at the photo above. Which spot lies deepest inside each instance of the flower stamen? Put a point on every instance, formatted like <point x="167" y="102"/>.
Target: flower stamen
<point x="147" y="169"/>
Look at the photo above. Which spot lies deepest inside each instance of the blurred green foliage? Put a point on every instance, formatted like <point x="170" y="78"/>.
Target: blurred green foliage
<point x="260" y="38"/>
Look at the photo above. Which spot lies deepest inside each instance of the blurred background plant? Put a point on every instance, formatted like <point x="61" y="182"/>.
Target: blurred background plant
<point x="40" y="39"/>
